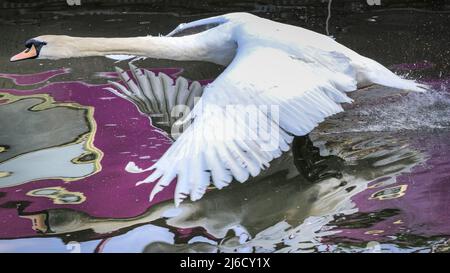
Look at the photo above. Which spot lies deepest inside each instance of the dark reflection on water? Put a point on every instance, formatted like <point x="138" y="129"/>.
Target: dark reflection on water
<point x="374" y="178"/>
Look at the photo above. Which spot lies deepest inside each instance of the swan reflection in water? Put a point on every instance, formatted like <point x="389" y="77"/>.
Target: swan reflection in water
<point x="282" y="208"/>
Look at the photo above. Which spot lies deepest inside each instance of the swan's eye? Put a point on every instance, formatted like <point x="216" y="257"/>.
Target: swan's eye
<point x="37" y="44"/>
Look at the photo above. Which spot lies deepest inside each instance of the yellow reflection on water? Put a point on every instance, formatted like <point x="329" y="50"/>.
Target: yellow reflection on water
<point x="390" y="193"/>
<point x="86" y="139"/>
<point x="59" y="195"/>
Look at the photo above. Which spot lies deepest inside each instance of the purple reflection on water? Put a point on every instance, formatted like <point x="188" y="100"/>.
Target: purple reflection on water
<point x="30" y="79"/>
<point x="413" y="66"/>
<point x="424" y="209"/>
<point x="123" y="134"/>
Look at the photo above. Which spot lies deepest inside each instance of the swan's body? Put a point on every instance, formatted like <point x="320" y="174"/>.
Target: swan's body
<point x="300" y="77"/>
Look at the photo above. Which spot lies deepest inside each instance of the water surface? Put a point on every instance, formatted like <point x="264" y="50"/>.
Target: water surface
<point x="372" y="179"/>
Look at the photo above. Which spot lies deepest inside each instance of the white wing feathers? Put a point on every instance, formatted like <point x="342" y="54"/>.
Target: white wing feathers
<point x="155" y="95"/>
<point x="285" y="96"/>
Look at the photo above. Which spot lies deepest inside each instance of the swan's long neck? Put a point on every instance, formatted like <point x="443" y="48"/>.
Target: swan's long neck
<point x="154" y="47"/>
<point x="186" y="48"/>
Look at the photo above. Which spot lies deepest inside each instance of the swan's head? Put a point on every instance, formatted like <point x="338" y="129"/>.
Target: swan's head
<point x="47" y="47"/>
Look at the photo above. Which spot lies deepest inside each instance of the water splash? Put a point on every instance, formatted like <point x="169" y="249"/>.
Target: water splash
<point x="414" y="111"/>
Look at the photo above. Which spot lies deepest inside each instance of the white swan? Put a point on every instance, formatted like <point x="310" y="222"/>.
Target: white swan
<point x="303" y="73"/>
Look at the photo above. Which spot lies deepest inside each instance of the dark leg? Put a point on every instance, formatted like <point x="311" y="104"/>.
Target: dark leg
<point x="311" y="164"/>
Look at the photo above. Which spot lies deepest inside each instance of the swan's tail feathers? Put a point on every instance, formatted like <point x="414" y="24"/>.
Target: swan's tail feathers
<point x="158" y="96"/>
<point x="372" y="72"/>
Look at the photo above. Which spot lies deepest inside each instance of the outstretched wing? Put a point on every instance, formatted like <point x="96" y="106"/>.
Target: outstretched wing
<point x="248" y="116"/>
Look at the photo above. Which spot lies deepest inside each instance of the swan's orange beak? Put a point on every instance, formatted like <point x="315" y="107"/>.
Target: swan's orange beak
<point x="28" y="53"/>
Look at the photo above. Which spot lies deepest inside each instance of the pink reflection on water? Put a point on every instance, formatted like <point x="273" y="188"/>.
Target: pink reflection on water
<point x="31" y="79"/>
<point x="111" y="193"/>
